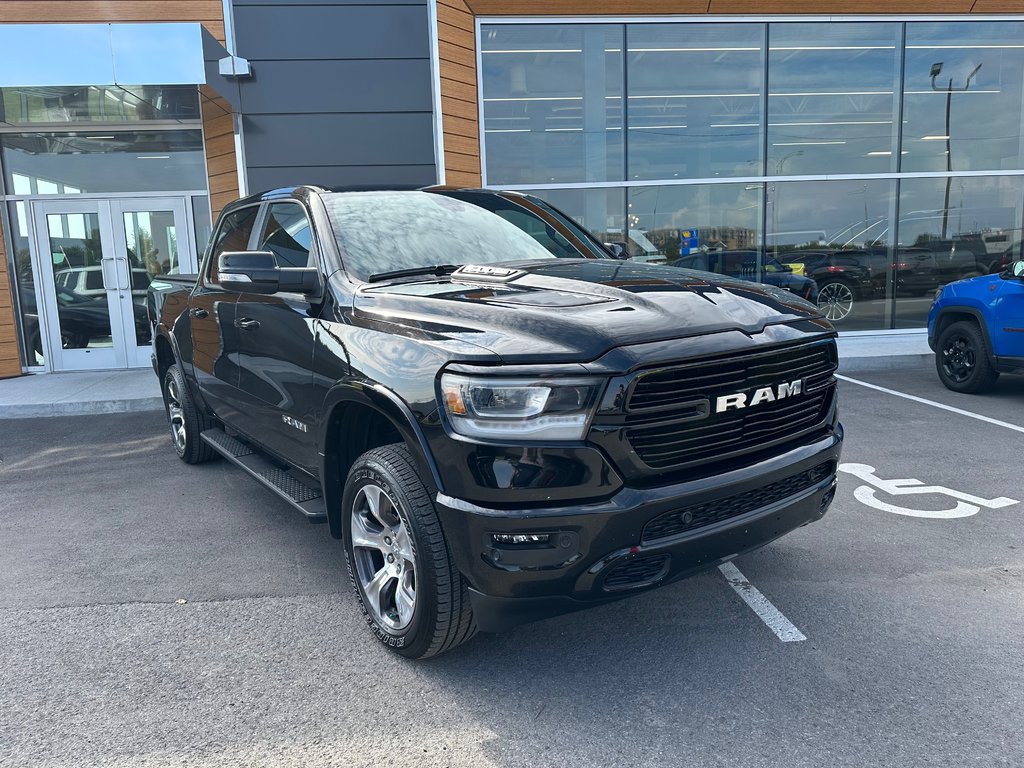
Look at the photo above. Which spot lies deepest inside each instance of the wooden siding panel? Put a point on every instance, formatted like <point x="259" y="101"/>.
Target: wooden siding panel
<point x="460" y="126"/>
<point x="221" y="165"/>
<point x="458" y="161"/>
<point x="998" y="6"/>
<point x="459" y="73"/>
<point x="586" y="7"/>
<point x="457" y="19"/>
<point x="838" y="6"/>
<point x="10" y="359"/>
<point x="458" y="55"/>
<point x="100" y="11"/>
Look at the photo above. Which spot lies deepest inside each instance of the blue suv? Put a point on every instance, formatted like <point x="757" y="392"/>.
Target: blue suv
<point x="976" y="329"/>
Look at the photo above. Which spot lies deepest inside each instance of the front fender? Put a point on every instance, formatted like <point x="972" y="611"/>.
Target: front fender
<point x="385" y="402"/>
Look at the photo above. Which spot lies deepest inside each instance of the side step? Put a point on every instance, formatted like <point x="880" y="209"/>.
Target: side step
<point x="299" y="493"/>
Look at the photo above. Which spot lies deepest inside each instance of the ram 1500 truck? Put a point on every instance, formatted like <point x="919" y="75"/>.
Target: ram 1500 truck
<point x="500" y="420"/>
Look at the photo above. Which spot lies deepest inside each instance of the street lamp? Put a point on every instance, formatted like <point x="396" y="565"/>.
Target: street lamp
<point x="949" y="89"/>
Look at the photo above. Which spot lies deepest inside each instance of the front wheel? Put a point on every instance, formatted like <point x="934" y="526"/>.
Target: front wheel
<point x="835" y="300"/>
<point x="410" y="592"/>
<point x="961" y="360"/>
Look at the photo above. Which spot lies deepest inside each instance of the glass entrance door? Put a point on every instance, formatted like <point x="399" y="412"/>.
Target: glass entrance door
<point x="94" y="261"/>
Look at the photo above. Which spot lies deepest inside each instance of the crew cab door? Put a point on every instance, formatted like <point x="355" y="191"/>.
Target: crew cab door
<point x="212" y="319"/>
<point x="275" y="343"/>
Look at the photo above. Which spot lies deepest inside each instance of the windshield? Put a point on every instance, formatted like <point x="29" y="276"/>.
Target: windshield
<point x="386" y="231"/>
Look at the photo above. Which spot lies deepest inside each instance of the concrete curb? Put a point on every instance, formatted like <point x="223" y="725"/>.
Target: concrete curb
<point x="884" y="363"/>
<point x="83" y="408"/>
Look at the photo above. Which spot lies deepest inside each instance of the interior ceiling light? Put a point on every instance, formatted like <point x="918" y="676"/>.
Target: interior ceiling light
<point x="805" y="143"/>
<point x="934" y="138"/>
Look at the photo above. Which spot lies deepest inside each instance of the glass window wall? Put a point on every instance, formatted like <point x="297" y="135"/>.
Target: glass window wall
<point x="833" y="98"/>
<point x="963" y="106"/>
<point x="552" y="107"/>
<point x="98" y="103"/>
<point x="952" y="228"/>
<point x="769" y="103"/>
<point x="111" y="161"/>
<point x="695" y="100"/>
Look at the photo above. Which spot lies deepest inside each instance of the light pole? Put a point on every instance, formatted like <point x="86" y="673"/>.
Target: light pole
<point x="949" y="89"/>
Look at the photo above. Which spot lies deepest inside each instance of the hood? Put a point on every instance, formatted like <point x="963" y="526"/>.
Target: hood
<point x="574" y="310"/>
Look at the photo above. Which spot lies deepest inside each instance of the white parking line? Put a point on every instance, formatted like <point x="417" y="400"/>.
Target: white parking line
<point x="916" y="399"/>
<point x="761" y="605"/>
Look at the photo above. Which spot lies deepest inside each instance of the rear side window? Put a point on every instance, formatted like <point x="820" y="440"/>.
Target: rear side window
<point x="232" y="235"/>
<point x="287" y="235"/>
<point x="94" y="280"/>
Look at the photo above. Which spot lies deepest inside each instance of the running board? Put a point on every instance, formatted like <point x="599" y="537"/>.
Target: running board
<point x="299" y="493"/>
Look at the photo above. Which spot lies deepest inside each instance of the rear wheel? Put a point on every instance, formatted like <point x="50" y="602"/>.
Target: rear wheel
<point x="411" y="594"/>
<point x="187" y="420"/>
<point x="961" y="359"/>
<point x="835" y="299"/>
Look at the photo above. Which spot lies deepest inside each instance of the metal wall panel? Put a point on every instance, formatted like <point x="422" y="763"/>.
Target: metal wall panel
<point x="379" y="85"/>
<point x="340" y="93"/>
<point x="302" y="32"/>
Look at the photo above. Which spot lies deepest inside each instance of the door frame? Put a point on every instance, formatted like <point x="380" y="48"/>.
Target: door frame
<point x="125" y="352"/>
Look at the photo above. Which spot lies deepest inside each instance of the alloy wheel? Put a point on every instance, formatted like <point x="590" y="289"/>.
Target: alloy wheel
<point x="835" y="300"/>
<point x="384" y="558"/>
<point x="176" y="414"/>
<point x="958" y="359"/>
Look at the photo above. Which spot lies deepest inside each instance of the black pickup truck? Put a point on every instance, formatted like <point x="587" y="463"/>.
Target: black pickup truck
<point x="502" y="421"/>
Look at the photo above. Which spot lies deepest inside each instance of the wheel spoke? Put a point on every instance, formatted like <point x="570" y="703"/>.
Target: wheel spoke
<point x="404" y="543"/>
<point x="364" y="536"/>
<point x="375" y="588"/>
<point x="378" y="503"/>
<point x="405" y="599"/>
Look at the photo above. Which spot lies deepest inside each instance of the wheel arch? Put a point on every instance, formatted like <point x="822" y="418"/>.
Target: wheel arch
<point x="358" y="417"/>
<point x="947" y="317"/>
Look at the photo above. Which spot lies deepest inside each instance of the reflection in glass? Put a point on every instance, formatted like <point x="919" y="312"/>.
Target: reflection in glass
<point x="98" y="103"/>
<point x="667" y="223"/>
<point x="24" y="276"/>
<point x="552" y="103"/>
<point x="83" y="314"/>
<point x="695" y="100"/>
<point x="983" y="224"/>
<point x="832" y="98"/>
<point x="837" y="233"/>
<point x="599" y="211"/>
<point x="963" y="96"/>
<point x="111" y="161"/>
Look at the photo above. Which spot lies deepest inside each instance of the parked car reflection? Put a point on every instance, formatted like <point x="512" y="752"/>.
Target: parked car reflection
<point x="82" y="319"/>
<point x="743" y="265"/>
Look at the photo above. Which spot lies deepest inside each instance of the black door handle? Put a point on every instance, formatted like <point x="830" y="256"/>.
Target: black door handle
<point x="196" y="312"/>
<point x="247" y="324"/>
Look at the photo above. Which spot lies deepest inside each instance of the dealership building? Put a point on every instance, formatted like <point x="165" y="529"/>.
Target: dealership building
<point x="877" y="147"/>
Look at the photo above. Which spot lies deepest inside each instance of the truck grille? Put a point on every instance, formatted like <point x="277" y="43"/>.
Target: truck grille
<point x="674" y="405"/>
<point x="699" y="515"/>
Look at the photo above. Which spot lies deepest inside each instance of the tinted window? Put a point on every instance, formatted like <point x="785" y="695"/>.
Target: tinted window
<point x="94" y="280"/>
<point x="385" y="231"/>
<point x="233" y="235"/>
<point x="286" y="234"/>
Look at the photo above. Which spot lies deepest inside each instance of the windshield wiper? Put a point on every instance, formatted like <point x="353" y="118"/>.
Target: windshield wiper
<point x="434" y="269"/>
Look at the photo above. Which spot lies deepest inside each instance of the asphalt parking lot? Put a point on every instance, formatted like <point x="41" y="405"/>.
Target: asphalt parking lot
<point x="155" y="614"/>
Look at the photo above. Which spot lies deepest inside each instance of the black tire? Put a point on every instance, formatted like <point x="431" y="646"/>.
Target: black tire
<point x="186" y="419"/>
<point x="441" y="616"/>
<point x="961" y="359"/>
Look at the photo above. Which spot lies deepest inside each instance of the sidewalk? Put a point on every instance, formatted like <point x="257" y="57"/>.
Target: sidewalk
<point x="72" y="394"/>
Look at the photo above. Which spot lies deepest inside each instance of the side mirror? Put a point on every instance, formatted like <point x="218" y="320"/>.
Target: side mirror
<point x="257" y="272"/>
<point x="618" y="251"/>
<point x="1017" y="269"/>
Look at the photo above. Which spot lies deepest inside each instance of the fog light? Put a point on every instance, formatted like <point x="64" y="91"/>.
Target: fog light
<point x="521" y="538"/>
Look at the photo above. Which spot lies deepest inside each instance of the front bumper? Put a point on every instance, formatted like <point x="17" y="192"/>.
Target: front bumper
<point x="598" y="552"/>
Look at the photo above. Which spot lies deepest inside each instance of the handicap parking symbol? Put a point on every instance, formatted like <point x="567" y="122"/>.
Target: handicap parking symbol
<point x="966" y="504"/>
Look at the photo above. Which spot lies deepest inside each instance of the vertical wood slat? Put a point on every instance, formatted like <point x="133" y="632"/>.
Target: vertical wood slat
<point x="456" y="50"/>
<point x="10" y="360"/>
<point x="220" y="149"/>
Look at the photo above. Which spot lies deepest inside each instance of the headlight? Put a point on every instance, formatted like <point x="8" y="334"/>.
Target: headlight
<point x="519" y="409"/>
